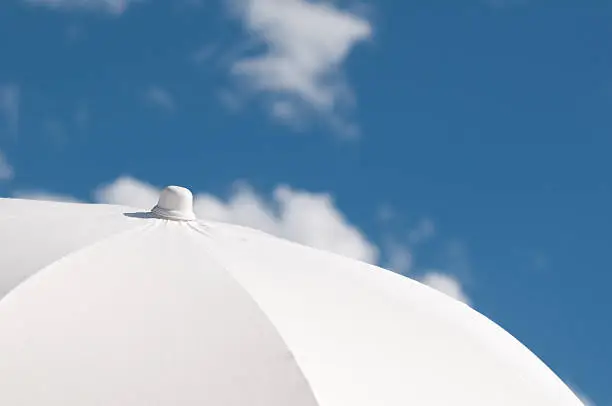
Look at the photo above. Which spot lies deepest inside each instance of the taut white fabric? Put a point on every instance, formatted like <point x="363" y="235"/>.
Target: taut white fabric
<point x="105" y="305"/>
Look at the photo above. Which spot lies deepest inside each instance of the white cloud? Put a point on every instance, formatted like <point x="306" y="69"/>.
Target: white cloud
<point x="398" y="257"/>
<point x="6" y="170"/>
<point x="116" y="7"/>
<point x="9" y="107"/>
<point x="398" y="252"/>
<point x="308" y="218"/>
<point x="127" y="191"/>
<point x="306" y="44"/>
<point x="160" y="97"/>
<point x="424" y="231"/>
<point x="446" y="284"/>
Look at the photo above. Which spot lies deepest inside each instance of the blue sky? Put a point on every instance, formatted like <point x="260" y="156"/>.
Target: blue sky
<point x="464" y="143"/>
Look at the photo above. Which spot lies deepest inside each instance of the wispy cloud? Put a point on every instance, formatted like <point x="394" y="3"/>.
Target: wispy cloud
<point x="305" y="45"/>
<point x="160" y="97"/>
<point x="424" y="231"/>
<point x="446" y="284"/>
<point x="116" y="7"/>
<point x="9" y="108"/>
<point x="398" y="257"/>
<point x="6" y="170"/>
<point x="399" y="247"/>
<point x="400" y="254"/>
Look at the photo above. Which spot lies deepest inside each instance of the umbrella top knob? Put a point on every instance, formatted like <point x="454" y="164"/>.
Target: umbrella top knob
<point x="175" y="203"/>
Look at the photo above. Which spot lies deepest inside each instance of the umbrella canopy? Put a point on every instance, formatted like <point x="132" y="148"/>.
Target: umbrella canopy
<point x="106" y="305"/>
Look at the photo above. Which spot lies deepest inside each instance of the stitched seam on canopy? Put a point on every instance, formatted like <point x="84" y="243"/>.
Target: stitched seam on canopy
<point x="213" y="258"/>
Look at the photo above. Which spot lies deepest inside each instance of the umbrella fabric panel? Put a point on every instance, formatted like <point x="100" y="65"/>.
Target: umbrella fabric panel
<point x="34" y="234"/>
<point x="143" y="318"/>
<point x="363" y="335"/>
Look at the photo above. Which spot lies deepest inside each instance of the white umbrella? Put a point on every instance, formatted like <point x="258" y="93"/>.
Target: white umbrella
<point x="105" y="305"/>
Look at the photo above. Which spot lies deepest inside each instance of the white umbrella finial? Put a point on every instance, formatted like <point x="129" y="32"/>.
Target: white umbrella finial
<point x="175" y="203"/>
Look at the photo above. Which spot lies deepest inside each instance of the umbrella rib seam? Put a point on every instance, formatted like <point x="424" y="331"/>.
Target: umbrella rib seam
<point x="264" y="314"/>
